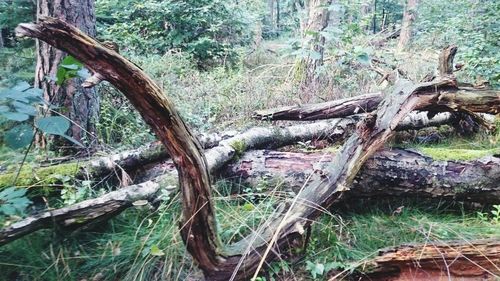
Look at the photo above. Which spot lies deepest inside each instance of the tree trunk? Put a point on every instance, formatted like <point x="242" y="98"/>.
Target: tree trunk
<point x="80" y="105"/>
<point x="1" y="38"/>
<point x="199" y="231"/>
<point x="463" y="99"/>
<point x="278" y="15"/>
<point x="409" y="16"/>
<point x="313" y="41"/>
<point x="270" y="4"/>
<point x="389" y="173"/>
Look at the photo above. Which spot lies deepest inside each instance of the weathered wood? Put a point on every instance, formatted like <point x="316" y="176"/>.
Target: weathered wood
<point x="80" y="214"/>
<point x="467" y="99"/>
<point x="199" y="231"/>
<point x="389" y="173"/>
<point x="225" y="144"/>
<point x="455" y="260"/>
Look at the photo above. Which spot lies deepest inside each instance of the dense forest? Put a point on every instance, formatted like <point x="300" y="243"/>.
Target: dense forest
<point x="249" y="140"/>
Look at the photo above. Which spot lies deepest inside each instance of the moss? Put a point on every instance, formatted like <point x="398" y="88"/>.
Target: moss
<point x="30" y="176"/>
<point x="438" y="153"/>
<point x="239" y="148"/>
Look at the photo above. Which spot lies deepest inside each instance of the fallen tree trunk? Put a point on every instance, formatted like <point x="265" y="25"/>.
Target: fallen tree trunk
<point x="226" y="143"/>
<point x="460" y="260"/>
<point x="467" y="99"/>
<point x="83" y="213"/>
<point x="389" y="173"/>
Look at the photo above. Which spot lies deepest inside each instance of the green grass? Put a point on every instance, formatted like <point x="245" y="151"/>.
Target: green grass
<point x="144" y="245"/>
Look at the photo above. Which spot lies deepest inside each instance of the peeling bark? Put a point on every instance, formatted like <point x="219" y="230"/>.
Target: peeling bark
<point x="465" y="99"/>
<point x="389" y="173"/>
<point x="462" y="260"/>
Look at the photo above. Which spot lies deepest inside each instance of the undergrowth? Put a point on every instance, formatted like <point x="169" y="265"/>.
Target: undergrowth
<point x="141" y="244"/>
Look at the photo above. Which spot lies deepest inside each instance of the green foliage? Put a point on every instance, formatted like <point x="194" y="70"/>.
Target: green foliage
<point x="119" y="123"/>
<point x="18" y="104"/>
<point x="13" y="201"/>
<point x="69" y="68"/>
<point x="204" y="28"/>
<point x="473" y="26"/>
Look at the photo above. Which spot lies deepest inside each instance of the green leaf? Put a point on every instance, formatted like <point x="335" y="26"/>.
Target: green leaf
<point x="54" y="125"/>
<point x="22" y="86"/>
<point x="24" y="108"/>
<point x="4" y="108"/>
<point x="18" y="137"/>
<point x="363" y="58"/>
<point x="155" y="251"/>
<point x="15" y="116"/>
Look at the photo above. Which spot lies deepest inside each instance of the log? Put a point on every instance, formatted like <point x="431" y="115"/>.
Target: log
<point x="226" y="145"/>
<point x="468" y="99"/>
<point x="83" y="213"/>
<point x="389" y="173"/>
<point x="455" y="260"/>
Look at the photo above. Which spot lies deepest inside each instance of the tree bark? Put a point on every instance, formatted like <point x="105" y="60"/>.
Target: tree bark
<point x="270" y="4"/>
<point x="464" y="99"/>
<point x="80" y="105"/>
<point x="313" y="41"/>
<point x="409" y="17"/>
<point x="388" y="174"/>
<point x="456" y="260"/>
<point x="222" y="147"/>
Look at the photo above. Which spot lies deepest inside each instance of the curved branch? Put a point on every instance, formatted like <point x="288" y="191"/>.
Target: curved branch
<point x="199" y="230"/>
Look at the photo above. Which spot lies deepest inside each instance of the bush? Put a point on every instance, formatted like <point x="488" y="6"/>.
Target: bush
<point x="206" y="29"/>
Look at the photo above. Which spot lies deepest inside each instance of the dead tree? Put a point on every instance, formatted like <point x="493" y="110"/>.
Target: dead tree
<point x="198" y="228"/>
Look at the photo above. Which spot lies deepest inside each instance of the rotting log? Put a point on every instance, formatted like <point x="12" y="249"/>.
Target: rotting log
<point x="389" y="173"/>
<point x="468" y="99"/>
<point x="225" y="144"/>
<point x="475" y="260"/>
<point x="198" y="229"/>
<point x="83" y="213"/>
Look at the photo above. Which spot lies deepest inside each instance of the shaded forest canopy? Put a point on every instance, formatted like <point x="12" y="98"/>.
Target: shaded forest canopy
<point x="249" y="140"/>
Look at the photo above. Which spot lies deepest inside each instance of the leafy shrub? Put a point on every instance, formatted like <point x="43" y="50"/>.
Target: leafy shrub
<point x="473" y="26"/>
<point x="206" y="29"/>
<point x="13" y="201"/>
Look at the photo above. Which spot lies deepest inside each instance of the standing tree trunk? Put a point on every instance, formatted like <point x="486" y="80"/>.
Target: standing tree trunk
<point x="80" y="105"/>
<point x="278" y="15"/>
<point x="409" y="16"/>
<point x="270" y="3"/>
<point x="313" y="41"/>
<point x="1" y="38"/>
<point x="374" y="16"/>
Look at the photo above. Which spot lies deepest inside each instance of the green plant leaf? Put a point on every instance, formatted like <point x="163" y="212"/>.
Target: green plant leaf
<point x="155" y="251"/>
<point x="18" y="137"/>
<point x="15" y="116"/>
<point x="53" y="125"/>
<point x="24" y="108"/>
